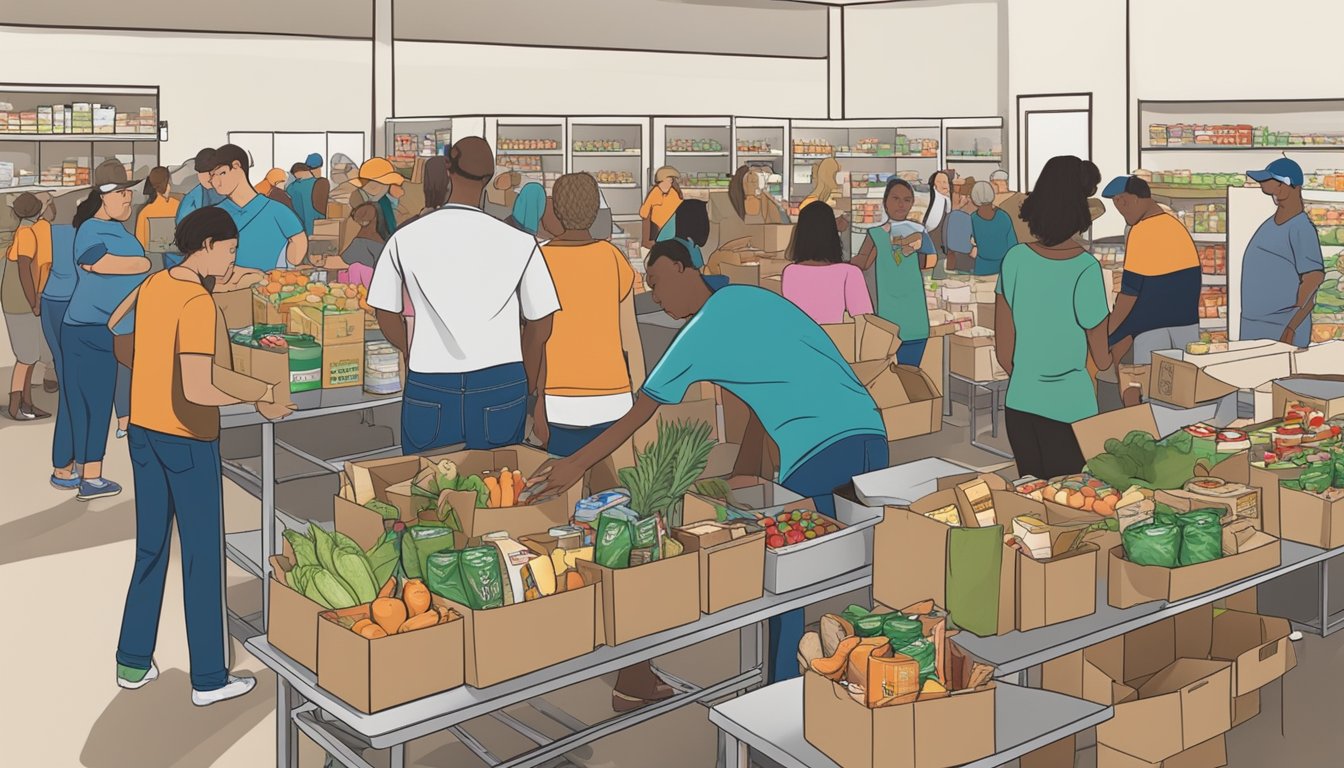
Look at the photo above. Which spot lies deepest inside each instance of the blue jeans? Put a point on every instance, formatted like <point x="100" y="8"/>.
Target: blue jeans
<point x="816" y="479"/>
<point x="911" y="352"/>
<point x="484" y="409"/>
<point x="90" y="384"/>
<point x="169" y="470"/>
<point x="53" y="325"/>
<point x="566" y="441"/>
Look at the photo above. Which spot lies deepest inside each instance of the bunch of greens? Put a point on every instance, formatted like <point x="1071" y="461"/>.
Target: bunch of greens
<point x="333" y="571"/>
<point x="431" y="483"/>
<point x="1164" y="464"/>
<point x="666" y="469"/>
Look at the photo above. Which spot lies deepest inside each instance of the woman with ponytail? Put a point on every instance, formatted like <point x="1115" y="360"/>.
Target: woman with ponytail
<point x="110" y="264"/>
<point x="158" y="205"/>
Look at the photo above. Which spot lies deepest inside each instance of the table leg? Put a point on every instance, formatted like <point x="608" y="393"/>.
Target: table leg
<point x="752" y="638"/>
<point x="732" y="753"/>
<point x="993" y="411"/>
<point x="947" y="377"/>
<point x="1325" y="598"/>
<point x="286" y="732"/>
<point x="396" y="756"/>
<point x="268" y="535"/>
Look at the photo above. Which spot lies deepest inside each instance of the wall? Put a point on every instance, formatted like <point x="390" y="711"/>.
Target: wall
<point x="453" y="78"/>
<point x="197" y="74"/>
<point x="892" y="68"/>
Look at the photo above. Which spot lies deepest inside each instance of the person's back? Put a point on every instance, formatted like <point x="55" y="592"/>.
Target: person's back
<point x="172" y="317"/>
<point x="467" y="274"/>
<point x="1162" y="272"/>
<point x="584" y="355"/>
<point x="827" y="291"/>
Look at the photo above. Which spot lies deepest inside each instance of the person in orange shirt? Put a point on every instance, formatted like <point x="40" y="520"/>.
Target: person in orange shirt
<point x="273" y="186"/>
<point x="27" y="263"/>
<point x="158" y="205"/>
<point x="174" y="440"/>
<point x="592" y="360"/>
<point x="661" y="203"/>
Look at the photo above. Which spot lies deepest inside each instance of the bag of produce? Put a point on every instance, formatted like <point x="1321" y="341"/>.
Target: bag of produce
<point x="902" y="630"/>
<point x="1316" y="478"/>
<point x="418" y="543"/>
<point x="443" y="576"/>
<point x="471" y="577"/>
<point x="869" y="625"/>
<point x="1165" y="515"/>
<point x="615" y="541"/>
<point x="1201" y="536"/>
<point x="926" y="654"/>
<point x="974" y="561"/>
<point x="1152" y="544"/>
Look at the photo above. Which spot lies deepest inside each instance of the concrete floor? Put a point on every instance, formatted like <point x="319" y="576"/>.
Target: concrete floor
<point x="68" y="710"/>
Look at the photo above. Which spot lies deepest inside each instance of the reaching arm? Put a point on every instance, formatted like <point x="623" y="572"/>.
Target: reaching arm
<point x="631" y="343"/>
<point x="393" y="327"/>
<point x="111" y="264"/>
<point x="28" y="279"/>
<point x="1124" y="304"/>
<point x="867" y="253"/>
<point x="297" y="250"/>
<point x="751" y="454"/>
<point x="1099" y="347"/>
<point x="1005" y="334"/>
<point x="558" y="476"/>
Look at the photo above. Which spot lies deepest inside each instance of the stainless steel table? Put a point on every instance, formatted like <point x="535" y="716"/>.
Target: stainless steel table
<point x="251" y="550"/>
<point x="997" y="390"/>
<point x="770" y="721"/>
<point x="331" y="723"/>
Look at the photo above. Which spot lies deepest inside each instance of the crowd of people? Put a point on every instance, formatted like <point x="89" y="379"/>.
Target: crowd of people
<point x="530" y="312"/>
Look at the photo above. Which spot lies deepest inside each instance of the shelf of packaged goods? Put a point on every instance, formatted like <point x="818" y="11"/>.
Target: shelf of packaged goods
<point x="628" y="153"/>
<point x="670" y="153"/>
<point x="1182" y="192"/>
<point x="973" y="159"/>
<point x="1215" y="279"/>
<point x="628" y="185"/>
<point x="41" y="188"/>
<point x="775" y="153"/>
<point x="1213" y="323"/>
<point x="79" y="137"/>
<point x="1323" y="195"/>
<point x="543" y="152"/>
<point x="1243" y="148"/>
<point x="1209" y="237"/>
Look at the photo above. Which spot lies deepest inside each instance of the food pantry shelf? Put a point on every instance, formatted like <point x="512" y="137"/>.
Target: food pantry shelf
<point x="1213" y="323"/>
<point x="628" y="153"/>
<point x="627" y="185"/>
<point x="770" y="722"/>
<point x="670" y="153"/>
<point x="1209" y="237"/>
<point x="546" y="152"/>
<point x="1238" y="148"/>
<point x="84" y="137"/>
<point x="973" y="159"/>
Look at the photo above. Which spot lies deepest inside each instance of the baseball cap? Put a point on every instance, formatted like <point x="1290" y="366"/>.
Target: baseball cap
<point x="313" y="161"/>
<point x="110" y="175"/>
<point x="666" y="172"/>
<point x="379" y="170"/>
<point x="1132" y="185"/>
<point x="1282" y="170"/>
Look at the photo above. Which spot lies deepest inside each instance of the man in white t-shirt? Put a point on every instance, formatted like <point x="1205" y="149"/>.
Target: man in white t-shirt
<point x="471" y="281"/>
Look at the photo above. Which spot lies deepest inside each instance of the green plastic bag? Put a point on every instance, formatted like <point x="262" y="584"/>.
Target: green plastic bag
<point x="443" y="576"/>
<point x="869" y="626"/>
<point x="1201" y="536"/>
<point x="974" y="561"/>
<point x="418" y="543"/>
<point x="1152" y="544"/>
<point x="901" y="630"/>
<point x="1316" y="478"/>
<point x="615" y="541"/>
<point x="483" y="577"/>
<point x="926" y="654"/>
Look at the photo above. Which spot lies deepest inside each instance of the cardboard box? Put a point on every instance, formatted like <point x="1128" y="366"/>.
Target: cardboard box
<point x="1187" y="380"/>
<point x="1306" y="517"/>
<point x="759" y="273"/>
<point x="341" y="335"/>
<point x="1257" y="646"/>
<point x="984" y="314"/>
<point x="291" y="618"/>
<point x="1210" y="754"/>
<point x="1245" y="708"/>
<point x="268" y="365"/>
<point x="647" y="599"/>
<point x="364" y="481"/>
<point x="909" y="400"/>
<point x="503" y="643"/>
<point x="1324" y="393"/>
<point x="1181" y="706"/>
<point x="937" y="733"/>
<point x="771" y="238"/>
<point x="973" y="357"/>
<point x="372" y="675"/>
<point x="1131" y="584"/>
<point x="266" y="310"/>
<point x="867" y="338"/>
<point x="1092" y="434"/>
<point x="236" y="307"/>
<point x="732" y="558"/>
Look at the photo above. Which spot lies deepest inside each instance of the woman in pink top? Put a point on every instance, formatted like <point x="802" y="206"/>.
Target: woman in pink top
<point x="818" y="281"/>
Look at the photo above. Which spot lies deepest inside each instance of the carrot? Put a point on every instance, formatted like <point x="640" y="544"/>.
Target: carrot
<point x="496" y="493"/>
<point x="416" y="597"/>
<point x="834" y="666"/>
<point x="506" y="492"/>
<point x="388" y="588"/>
<point x="421" y="621"/>
<point x="517" y="484"/>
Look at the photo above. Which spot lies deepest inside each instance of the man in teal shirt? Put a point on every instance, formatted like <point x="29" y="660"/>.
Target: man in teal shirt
<point x="269" y="234"/>
<point x="802" y="394"/>
<point x="309" y="191"/>
<point x="203" y="194"/>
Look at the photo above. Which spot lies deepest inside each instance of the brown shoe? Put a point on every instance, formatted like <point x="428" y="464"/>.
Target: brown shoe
<point x="16" y="411"/>
<point x="50" y="386"/>
<point x="34" y="412"/>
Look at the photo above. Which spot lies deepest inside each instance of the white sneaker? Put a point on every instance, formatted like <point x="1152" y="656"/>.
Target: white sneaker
<point x="149" y="677"/>
<point x="1295" y="636"/>
<point x="235" y="687"/>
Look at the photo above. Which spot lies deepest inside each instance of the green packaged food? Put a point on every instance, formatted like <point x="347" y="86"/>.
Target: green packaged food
<point x="646" y="533"/>
<point x="1165" y="515"/>
<point x="853" y="613"/>
<point x="1316" y="478"/>
<point x="418" y="543"/>
<point x="615" y="541"/>
<point x="1152" y="544"/>
<point x="901" y="630"/>
<point x="1201" y="536"/>
<point x="869" y="626"/>
<point x="443" y="576"/>
<point x="305" y="365"/>
<point x="926" y="653"/>
<point x="483" y="577"/>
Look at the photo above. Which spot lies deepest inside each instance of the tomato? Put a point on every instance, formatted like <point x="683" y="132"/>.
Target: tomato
<point x="794" y="536"/>
<point x="774" y="541"/>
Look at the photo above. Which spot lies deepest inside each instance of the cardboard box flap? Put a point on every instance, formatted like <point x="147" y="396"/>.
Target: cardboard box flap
<point x="1324" y="358"/>
<point x="1192" y="674"/>
<point x="1323" y="392"/>
<point x="865" y="339"/>
<point x="1093" y="432"/>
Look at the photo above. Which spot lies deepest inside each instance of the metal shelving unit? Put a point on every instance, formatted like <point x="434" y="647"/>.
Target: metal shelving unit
<point x="700" y="148"/>
<point x="621" y="168"/>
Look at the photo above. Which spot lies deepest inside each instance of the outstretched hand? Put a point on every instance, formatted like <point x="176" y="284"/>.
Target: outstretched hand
<point x="552" y="479"/>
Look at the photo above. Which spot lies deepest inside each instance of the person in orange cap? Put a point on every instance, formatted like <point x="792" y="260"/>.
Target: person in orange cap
<point x="273" y="186"/>
<point x="379" y="183"/>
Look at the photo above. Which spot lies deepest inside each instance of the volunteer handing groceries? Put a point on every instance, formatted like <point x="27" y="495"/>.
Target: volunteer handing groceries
<point x="765" y="350"/>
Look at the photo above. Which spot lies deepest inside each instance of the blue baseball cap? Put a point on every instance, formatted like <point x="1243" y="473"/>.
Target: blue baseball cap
<point x="1282" y="170"/>
<point x="314" y="161"/>
<point x="1127" y="184"/>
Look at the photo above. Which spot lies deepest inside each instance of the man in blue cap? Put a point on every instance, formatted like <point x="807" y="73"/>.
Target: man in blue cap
<point x="309" y="191"/>
<point x="1158" y="305"/>
<point x="1283" y="266"/>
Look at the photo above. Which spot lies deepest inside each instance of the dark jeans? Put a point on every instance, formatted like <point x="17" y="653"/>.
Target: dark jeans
<point x="1042" y="447"/>
<point x="53" y="326"/>
<point x="484" y="409"/>
<point x="89" y="382"/>
<point x="816" y="479"/>
<point x="168" y="471"/>
<point x="911" y="352"/>
<point x="566" y="441"/>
